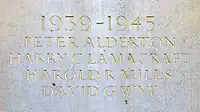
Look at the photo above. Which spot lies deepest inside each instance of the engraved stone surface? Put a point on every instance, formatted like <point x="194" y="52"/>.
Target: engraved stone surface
<point x="173" y="18"/>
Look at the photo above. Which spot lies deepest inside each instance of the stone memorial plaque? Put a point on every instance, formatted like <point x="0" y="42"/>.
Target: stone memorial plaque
<point x="99" y="56"/>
